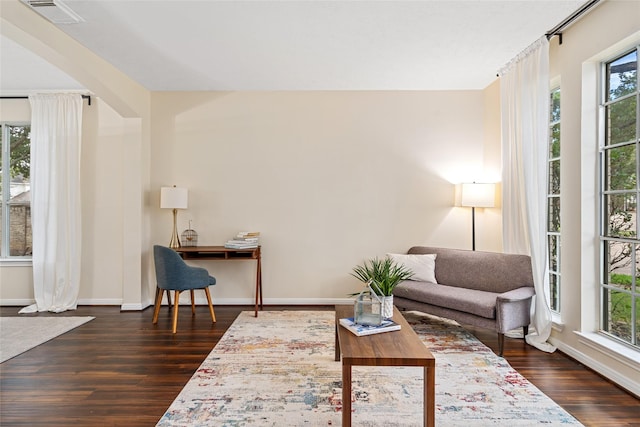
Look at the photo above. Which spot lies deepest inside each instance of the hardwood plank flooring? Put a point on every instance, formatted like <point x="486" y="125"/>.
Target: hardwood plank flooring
<point x="121" y="370"/>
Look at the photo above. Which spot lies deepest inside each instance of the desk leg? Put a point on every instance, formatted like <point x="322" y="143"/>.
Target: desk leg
<point x="346" y="395"/>
<point x="258" y="286"/>
<point x="429" y="396"/>
<point x="337" y="347"/>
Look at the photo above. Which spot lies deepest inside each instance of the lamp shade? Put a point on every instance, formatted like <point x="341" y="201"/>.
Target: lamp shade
<point x="478" y="195"/>
<point x="173" y="198"/>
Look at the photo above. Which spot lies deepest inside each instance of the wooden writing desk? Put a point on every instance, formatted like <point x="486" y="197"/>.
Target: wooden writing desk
<point x="227" y="254"/>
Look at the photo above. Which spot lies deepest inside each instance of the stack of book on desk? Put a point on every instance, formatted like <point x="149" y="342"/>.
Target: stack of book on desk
<point x="362" y="330"/>
<point x="244" y="240"/>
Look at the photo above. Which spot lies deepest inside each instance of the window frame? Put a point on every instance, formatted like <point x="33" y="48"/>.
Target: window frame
<point x="5" y="239"/>
<point x="554" y="270"/>
<point x="605" y="147"/>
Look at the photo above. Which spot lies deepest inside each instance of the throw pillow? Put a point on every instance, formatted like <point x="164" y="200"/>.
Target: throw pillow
<point x="423" y="266"/>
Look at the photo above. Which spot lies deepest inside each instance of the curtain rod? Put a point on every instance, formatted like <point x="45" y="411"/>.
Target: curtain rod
<point x="557" y="30"/>
<point x="26" y="97"/>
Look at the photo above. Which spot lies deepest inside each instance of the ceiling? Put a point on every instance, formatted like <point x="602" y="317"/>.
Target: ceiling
<point x="296" y="45"/>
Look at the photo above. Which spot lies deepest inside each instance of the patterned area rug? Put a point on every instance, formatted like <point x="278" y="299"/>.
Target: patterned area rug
<point x="19" y="334"/>
<point x="279" y="370"/>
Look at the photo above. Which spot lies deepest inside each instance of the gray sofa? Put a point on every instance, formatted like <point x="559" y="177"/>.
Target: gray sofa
<point x="485" y="289"/>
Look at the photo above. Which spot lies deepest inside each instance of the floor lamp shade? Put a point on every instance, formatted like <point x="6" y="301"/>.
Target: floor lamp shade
<point x="174" y="198"/>
<point x="477" y="195"/>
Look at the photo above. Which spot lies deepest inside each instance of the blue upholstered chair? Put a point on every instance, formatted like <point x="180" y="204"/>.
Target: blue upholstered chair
<point x="173" y="274"/>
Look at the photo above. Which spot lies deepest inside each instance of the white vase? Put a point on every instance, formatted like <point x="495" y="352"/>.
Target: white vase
<point x="387" y="307"/>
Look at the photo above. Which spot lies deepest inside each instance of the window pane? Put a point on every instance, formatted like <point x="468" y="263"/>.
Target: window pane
<point x="555" y="105"/>
<point x="622" y="76"/>
<point x="621" y="121"/>
<point x="619" y="268"/>
<point x="619" y="192"/>
<point x="621" y="210"/>
<point x="637" y="322"/>
<point x="618" y="262"/>
<point x="554" y="144"/>
<point x="554" y="177"/>
<point x="554" y="301"/>
<point x="553" y="214"/>
<point x="554" y="247"/>
<point x="619" y="309"/>
<point x="621" y="167"/>
<point x="20" y="194"/>
<point x="553" y="199"/>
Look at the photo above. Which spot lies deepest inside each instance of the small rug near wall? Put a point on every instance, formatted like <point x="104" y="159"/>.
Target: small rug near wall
<point x="278" y="370"/>
<point x="19" y="334"/>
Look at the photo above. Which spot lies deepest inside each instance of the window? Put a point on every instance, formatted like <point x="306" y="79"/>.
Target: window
<point x="553" y="201"/>
<point x="620" y="281"/>
<point x="15" y="212"/>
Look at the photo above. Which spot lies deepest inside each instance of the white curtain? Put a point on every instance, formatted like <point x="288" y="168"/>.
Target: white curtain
<point x="524" y="87"/>
<point x="56" y="124"/>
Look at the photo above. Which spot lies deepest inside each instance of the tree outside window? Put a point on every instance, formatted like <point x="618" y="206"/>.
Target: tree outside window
<point x="620" y="297"/>
<point x="15" y="173"/>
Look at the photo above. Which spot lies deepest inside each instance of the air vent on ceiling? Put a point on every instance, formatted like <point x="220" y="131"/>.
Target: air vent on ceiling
<point x="55" y="11"/>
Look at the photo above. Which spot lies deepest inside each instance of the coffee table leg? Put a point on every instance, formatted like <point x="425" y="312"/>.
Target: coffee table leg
<point x="346" y="395"/>
<point x="429" y="396"/>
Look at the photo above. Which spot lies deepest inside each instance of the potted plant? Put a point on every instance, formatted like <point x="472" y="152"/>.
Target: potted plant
<point x="383" y="275"/>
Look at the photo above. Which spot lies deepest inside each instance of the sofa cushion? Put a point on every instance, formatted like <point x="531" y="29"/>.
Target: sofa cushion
<point x="487" y="271"/>
<point x="480" y="303"/>
<point x="422" y="266"/>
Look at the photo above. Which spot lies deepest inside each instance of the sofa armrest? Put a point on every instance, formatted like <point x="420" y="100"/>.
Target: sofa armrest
<point x="519" y="294"/>
<point x="512" y="309"/>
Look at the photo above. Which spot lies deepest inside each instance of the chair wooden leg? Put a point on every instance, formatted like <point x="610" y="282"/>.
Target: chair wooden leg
<point x="175" y="312"/>
<point x="169" y="298"/>
<point x="213" y="315"/>
<point x="156" y="310"/>
<point x="193" y="304"/>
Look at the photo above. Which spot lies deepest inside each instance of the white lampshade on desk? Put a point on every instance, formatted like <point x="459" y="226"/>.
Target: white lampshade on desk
<point x="174" y="198"/>
<point x="477" y="195"/>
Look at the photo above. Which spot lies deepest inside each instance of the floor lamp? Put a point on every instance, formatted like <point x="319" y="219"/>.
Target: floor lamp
<point x="174" y="198"/>
<point x="477" y="195"/>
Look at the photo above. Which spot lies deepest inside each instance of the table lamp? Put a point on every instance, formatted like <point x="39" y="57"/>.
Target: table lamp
<point x="174" y="198"/>
<point x="476" y="195"/>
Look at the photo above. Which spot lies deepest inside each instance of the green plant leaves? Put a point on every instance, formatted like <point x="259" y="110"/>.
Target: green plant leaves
<point x="385" y="274"/>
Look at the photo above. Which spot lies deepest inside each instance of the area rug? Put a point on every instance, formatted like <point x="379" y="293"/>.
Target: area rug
<point x="278" y="370"/>
<point x="19" y="334"/>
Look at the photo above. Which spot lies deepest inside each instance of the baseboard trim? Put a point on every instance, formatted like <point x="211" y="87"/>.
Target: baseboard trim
<point x="16" y="302"/>
<point x="201" y="300"/>
<point x="600" y="368"/>
<point x="100" y="301"/>
<point x="25" y="302"/>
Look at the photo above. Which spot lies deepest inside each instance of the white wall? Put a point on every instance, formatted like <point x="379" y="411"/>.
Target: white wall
<point x="130" y="100"/>
<point x="102" y="205"/>
<point x="102" y="209"/>
<point x="575" y="63"/>
<point x="328" y="178"/>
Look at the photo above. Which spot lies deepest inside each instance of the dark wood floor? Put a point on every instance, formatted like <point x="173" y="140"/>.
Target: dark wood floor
<point x="120" y="370"/>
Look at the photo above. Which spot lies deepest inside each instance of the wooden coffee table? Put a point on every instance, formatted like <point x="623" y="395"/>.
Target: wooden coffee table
<point x="397" y="348"/>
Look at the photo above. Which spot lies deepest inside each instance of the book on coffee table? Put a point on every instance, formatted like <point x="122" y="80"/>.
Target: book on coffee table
<point x="362" y="330"/>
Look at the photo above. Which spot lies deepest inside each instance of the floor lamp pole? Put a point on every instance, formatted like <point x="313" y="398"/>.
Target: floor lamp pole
<point x="473" y="228"/>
